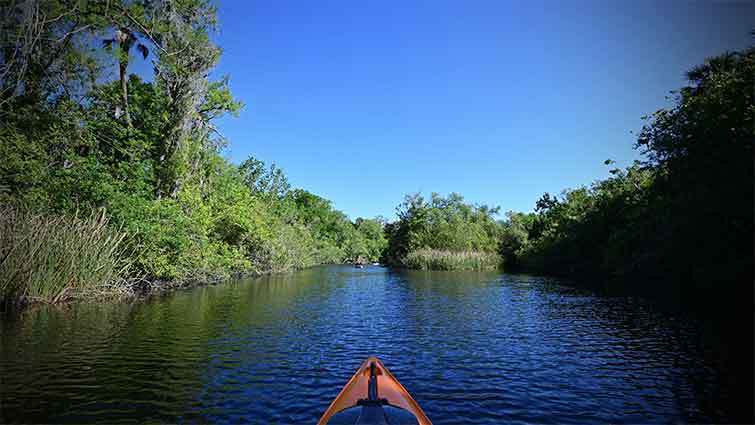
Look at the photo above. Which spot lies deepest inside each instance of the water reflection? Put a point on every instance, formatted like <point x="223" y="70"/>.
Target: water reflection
<point x="471" y="347"/>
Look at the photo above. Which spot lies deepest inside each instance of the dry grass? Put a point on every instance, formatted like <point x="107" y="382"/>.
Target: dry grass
<point x="52" y="258"/>
<point x="433" y="259"/>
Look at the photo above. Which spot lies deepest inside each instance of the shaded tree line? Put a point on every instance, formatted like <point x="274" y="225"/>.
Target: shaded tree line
<point x="679" y="223"/>
<point x="675" y="227"/>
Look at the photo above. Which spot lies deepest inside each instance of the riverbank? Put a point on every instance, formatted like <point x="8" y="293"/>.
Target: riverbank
<point x="51" y="258"/>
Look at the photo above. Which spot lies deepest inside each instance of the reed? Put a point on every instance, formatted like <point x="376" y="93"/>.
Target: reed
<point x="433" y="259"/>
<point x="51" y="258"/>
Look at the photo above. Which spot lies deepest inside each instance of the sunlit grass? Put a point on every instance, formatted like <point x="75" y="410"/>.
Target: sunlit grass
<point x="432" y="259"/>
<point x="51" y="258"/>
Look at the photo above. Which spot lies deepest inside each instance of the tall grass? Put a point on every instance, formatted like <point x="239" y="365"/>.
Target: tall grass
<point x="50" y="258"/>
<point x="433" y="259"/>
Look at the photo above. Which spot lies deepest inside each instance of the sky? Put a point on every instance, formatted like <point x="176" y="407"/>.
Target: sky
<point x="365" y="102"/>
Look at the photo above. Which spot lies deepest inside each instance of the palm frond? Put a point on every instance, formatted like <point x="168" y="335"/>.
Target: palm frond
<point x="143" y="50"/>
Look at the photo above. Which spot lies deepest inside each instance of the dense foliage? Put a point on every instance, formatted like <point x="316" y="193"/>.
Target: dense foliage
<point x="680" y="223"/>
<point x="678" y="226"/>
<point x="433" y="234"/>
<point x="147" y="153"/>
<point x="79" y="132"/>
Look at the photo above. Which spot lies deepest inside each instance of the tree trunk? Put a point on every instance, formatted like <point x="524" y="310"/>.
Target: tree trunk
<point x="124" y="89"/>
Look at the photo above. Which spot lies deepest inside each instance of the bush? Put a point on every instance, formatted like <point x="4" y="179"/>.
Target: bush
<point x="50" y="258"/>
<point x="444" y="233"/>
<point x="433" y="259"/>
<point x="291" y="248"/>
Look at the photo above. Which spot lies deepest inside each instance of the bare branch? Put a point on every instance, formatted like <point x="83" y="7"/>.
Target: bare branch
<point x="71" y="33"/>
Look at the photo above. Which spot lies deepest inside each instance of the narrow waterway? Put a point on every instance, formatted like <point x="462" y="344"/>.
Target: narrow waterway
<point x="473" y="348"/>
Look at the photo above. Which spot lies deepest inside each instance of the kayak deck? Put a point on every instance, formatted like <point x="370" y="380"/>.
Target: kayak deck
<point x="378" y="397"/>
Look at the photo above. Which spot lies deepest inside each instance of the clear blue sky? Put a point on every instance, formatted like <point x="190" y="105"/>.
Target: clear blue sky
<point x="363" y="102"/>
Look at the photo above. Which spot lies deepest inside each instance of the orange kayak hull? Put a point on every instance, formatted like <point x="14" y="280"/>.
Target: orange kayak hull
<point x="390" y="389"/>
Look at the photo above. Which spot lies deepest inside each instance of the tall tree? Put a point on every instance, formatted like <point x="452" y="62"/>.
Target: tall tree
<point x="186" y="55"/>
<point x="125" y="39"/>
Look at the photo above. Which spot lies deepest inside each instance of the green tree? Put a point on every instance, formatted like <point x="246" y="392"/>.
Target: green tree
<point x="514" y="236"/>
<point x="678" y="224"/>
<point x="442" y="223"/>
<point x="371" y="231"/>
<point x="269" y="182"/>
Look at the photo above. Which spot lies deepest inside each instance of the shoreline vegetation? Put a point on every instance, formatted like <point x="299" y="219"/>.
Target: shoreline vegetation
<point x="144" y="155"/>
<point x="108" y="185"/>
<point x="433" y="259"/>
<point x="50" y="258"/>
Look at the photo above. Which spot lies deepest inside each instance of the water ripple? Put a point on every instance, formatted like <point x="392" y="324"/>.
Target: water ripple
<point x="474" y="348"/>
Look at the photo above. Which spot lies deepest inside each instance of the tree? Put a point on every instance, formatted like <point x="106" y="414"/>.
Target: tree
<point x="371" y="231"/>
<point x="125" y="39"/>
<point x="678" y="224"/>
<point x="186" y="53"/>
<point x="702" y="152"/>
<point x="444" y="224"/>
<point x="514" y="237"/>
<point x="43" y="54"/>
<point x="269" y="182"/>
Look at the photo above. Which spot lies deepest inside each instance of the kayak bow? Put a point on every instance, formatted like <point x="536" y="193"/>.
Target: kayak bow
<point x="383" y="400"/>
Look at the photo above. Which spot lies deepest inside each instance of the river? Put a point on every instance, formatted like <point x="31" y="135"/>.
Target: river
<point x="473" y="348"/>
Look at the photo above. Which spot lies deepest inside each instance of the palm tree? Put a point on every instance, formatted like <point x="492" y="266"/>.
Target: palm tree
<point x="125" y="39"/>
<point x="721" y="63"/>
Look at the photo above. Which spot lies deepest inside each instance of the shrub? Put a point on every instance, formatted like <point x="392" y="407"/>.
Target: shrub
<point x="290" y="248"/>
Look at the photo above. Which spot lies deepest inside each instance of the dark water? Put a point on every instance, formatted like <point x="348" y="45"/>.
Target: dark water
<point x="472" y="348"/>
